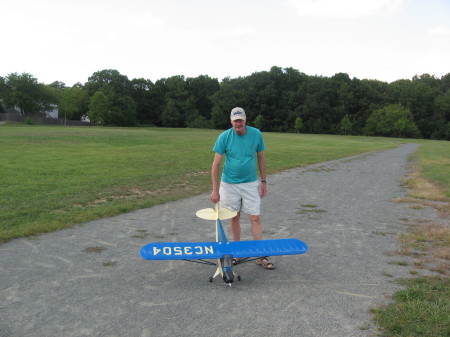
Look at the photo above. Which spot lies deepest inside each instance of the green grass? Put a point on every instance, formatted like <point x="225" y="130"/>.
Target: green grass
<point x="434" y="161"/>
<point x="54" y="176"/>
<point x="422" y="309"/>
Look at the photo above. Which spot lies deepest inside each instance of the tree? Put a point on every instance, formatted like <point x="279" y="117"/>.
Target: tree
<point x="174" y="99"/>
<point x="109" y="80"/>
<point x="171" y="116"/>
<point x="445" y="83"/>
<point x="345" y="125"/>
<point x="259" y="122"/>
<point x="400" y="126"/>
<point x="392" y="121"/>
<point x="219" y="119"/>
<point x="2" y="90"/>
<point x="24" y="91"/>
<point x="123" y="112"/>
<point x="418" y="96"/>
<point x="146" y="104"/>
<point x="121" y="108"/>
<point x="73" y="103"/>
<point x="441" y="118"/>
<point x="316" y="110"/>
<point x="200" y="90"/>
<point x="230" y="95"/>
<point x="199" y="122"/>
<point x="58" y="85"/>
<point x="99" y="108"/>
<point x="298" y="124"/>
<point x="442" y="106"/>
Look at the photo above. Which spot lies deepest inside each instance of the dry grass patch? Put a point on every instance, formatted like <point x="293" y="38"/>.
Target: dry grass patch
<point x="430" y="243"/>
<point x="443" y="207"/>
<point x="424" y="193"/>
<point x="421" y="188"/>
<point x="433" y="232"/>
<point x="441" y="253"/>
<point x="94" y="249"/>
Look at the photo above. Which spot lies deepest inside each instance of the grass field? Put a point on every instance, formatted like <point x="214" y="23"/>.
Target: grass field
<point x="53" y="177"/>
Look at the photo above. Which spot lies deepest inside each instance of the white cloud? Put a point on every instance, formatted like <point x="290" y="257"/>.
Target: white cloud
<point x="235" y="32"/>
<point x="144" y="20"/>
<point x="440" y="30"/>
<point x="345" y="9"/>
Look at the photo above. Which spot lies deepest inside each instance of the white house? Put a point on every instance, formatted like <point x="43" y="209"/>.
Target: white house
<point x="53" y="112"/>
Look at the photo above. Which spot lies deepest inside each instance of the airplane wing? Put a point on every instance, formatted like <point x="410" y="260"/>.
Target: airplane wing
<point x="275" y="247"/>
<point x="216" y="250"/>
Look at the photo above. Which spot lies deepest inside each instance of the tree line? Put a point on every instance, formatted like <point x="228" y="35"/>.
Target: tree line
<point x="279" y="100"/>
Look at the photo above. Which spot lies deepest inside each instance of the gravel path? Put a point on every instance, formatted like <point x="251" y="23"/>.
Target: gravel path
<point x="90" y="281"/>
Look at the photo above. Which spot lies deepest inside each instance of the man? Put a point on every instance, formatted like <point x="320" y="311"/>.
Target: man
<point x="238" y="188"/>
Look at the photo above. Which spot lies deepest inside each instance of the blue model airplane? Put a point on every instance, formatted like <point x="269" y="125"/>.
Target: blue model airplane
<point x="222" y="249"/>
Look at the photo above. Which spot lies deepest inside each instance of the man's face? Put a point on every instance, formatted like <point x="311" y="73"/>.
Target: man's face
<point x="239" y="126"/>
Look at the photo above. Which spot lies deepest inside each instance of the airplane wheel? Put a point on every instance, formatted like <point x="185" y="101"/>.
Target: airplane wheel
<point x="239" y="278"/>
<point x="210" y="279"/>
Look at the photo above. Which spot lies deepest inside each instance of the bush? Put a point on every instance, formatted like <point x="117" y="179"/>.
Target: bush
<point x="392" y="121"/>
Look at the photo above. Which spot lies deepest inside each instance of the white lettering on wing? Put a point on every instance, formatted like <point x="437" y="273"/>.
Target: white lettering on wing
<point x="186" y="250"/>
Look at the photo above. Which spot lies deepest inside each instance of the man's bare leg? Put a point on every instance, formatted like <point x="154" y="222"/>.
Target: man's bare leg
<point x="258" y="235"/>
<point x="257" y="232"/>
<point x="236" y="227"/>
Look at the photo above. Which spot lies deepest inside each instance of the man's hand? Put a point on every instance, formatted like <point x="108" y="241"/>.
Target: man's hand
<point x="215" y="196"/>
<point x="263" y="190"/>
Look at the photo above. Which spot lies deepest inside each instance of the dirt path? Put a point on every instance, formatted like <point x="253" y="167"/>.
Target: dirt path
<point x="90" y="280"/>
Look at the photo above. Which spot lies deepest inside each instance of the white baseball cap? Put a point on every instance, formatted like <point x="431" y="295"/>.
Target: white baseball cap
<point x="238" y="113"/>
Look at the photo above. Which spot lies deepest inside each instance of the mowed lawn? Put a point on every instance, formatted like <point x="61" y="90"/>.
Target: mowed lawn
<point x="56" y="176"/>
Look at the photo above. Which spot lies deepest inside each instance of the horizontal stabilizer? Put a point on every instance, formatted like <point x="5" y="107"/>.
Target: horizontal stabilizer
<point x="216" y="250"/>
<point x="212" y="214"/>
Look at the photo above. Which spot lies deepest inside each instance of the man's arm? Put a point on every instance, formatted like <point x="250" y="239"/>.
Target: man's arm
<point x="262" y="172"/>
<point x="215" y="178"/>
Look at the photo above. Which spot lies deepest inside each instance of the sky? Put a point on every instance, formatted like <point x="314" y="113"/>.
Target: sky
<point x="69" y="40"/>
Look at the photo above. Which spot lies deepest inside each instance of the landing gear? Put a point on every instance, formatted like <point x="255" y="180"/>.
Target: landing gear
<point x="225" y="269"/>
<point x="238" y="277"/>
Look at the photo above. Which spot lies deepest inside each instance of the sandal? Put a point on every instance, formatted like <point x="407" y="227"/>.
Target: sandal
<point x="265" y="263"/>
<point x="236" y="261"/>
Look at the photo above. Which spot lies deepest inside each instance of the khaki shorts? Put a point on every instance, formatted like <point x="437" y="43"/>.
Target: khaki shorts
<point x="243" y="197"/>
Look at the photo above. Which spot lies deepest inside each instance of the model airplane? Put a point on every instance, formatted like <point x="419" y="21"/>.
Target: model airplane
<point x="223" y="250"/>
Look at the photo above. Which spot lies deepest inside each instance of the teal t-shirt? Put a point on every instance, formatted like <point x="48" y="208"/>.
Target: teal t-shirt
<point x="240" y="154"/>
